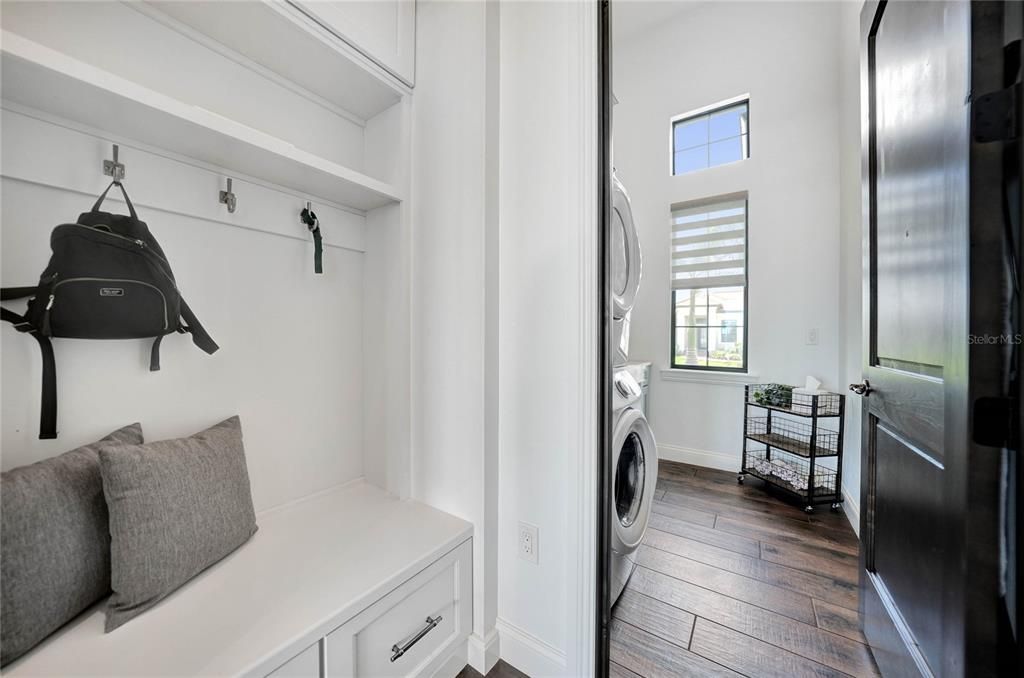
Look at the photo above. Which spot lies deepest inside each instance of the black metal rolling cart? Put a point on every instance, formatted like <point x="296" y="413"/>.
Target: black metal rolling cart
<point x="784" y="440"/>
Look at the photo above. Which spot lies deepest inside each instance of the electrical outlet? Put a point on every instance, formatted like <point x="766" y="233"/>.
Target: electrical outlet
<point x="529" y="543"/>
<point x="812" y="336"/>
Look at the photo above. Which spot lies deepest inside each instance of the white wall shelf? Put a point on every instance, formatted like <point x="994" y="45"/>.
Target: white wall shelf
<point x="41" y="78"/>
<point x="283" y="39"/>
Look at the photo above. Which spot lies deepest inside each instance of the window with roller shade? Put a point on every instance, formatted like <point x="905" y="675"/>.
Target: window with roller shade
<point x="709" y="284"/>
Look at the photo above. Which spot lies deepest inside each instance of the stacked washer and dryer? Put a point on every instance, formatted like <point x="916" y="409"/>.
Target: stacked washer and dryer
<point x="634" y="455"/>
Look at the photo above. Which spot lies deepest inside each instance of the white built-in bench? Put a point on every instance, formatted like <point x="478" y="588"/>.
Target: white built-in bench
<point x="327" y="587"/>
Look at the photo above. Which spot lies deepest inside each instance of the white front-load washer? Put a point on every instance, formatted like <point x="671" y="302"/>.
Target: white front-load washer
<point x="634" y="476"/>
<point x="626" y="268"/>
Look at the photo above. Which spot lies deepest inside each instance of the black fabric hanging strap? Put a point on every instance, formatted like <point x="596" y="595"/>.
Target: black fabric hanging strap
<point x="199" y="335"/>
<point x="318" y="252"/>
<point x="308" y="217"/>
<point x="48" y="406"/>
<point x="127" y="200"/>
<point x="154" y="355"/>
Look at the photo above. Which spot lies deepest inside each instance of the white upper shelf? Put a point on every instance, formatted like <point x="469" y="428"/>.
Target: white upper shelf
<point x="41" y="78"/>
<point x="283" y="39"/>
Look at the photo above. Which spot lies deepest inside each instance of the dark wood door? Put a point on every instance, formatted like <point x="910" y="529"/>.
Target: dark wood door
<point x="935" y="265"/>
<point x="916" y="167"/>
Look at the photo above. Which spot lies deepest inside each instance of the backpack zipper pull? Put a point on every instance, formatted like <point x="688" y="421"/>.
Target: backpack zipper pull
<point x="141" y="243"/>
<point x="45" y="329"/>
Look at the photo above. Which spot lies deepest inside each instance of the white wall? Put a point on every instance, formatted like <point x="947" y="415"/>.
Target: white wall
<point x="784" y="56"/>
<point x="454" y="285"/>
<point x="290" y="361"/>
<point x="851" y="337"/>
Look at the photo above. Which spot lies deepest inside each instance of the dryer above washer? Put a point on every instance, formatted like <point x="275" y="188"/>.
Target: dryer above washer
<point x="626" y="389"/>
<point x="626" y="260"/>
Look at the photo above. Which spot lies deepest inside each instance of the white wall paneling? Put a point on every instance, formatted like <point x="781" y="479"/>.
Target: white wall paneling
<point x="52" y="152"/>
<point x="213" y="104"/>
<point x="784" y="55"/>
<point x="40" y="78"/>
<point x="317" y="366"/>
<point x="257" y="295"/>
<point x="139" y="49"/>
<point x="454" y="192"/>
<point x="387" y="349"/>
<point x="547" y="353"/>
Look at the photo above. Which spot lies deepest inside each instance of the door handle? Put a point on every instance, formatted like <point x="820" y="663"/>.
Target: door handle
<point x="862" y="388"/>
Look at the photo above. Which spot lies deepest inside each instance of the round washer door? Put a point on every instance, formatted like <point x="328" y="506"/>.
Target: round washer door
<point x="627" y="263"/>
<point x="635" y="470"/>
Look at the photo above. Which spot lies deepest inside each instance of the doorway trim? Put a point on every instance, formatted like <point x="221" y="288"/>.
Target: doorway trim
<point x="587" y="66"/>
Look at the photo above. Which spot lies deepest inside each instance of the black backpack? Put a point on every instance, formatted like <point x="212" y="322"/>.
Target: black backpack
<point x="107" y="279"/>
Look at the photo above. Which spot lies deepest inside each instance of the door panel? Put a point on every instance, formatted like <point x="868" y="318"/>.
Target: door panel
<point x="914" y="85"/>
<point x="917" y="143"/>
<point x="909" y="561"/>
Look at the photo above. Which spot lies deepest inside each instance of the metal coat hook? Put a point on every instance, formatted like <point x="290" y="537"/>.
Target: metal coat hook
<point x="228" y="198"/>
<point x="113" y="168"/>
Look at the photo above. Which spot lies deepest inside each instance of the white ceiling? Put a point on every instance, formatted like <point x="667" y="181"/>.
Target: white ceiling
<point x="633" y="17"/>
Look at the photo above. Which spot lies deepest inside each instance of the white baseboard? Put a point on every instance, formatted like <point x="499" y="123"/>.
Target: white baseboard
<point x="689" y="455"/>
<point x="484" y="652"/>
<point x="528" y="653"/>
<point x="450" y="666"/>
<point x="851" y="507"/>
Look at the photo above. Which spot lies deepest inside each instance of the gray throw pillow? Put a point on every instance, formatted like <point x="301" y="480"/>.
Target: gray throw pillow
<point x="176" y="508"/>
<point x="54" y="543"/>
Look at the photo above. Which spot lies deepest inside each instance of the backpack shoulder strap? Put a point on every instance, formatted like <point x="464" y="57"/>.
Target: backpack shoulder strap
<point x="199" y="335"/>
<point x="48" y="407"/>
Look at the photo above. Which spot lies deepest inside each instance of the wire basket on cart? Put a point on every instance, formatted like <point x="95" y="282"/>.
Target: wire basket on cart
<point x="790" y="472"/>
<point x="788" y="399"/>
<point x="793" y="436"/>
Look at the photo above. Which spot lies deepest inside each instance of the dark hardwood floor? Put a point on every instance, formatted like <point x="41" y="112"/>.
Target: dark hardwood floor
<point x="500" y="670"/>
<point x="732" y="581"/>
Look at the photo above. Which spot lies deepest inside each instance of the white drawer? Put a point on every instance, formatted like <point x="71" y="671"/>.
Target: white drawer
<point x="364" y="647"/>
<point x="306" y="664"/>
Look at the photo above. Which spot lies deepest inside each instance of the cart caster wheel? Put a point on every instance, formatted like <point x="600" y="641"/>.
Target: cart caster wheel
<point x="808" y="509"/>
<point x="740" y="478"/>
<point x="836" y="507"/>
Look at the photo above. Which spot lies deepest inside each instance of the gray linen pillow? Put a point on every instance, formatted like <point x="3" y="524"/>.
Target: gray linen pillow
<point x="54" y="543"/>
<point x="176" y="508"/>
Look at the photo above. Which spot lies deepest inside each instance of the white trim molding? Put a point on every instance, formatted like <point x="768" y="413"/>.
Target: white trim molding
<point x="528" y="653"/>
<point x="580" y="571"/>
<point x="484" y="652"/>
<point x="708" y="377"/>
<point x="688" y="455"/>
<point x="851" y="507"/>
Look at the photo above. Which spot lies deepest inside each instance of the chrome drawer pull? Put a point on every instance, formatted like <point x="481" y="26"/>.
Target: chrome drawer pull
<point x="399" y="651"/>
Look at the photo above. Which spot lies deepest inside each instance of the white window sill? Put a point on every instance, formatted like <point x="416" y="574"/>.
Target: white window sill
<point x="709" y="377"/>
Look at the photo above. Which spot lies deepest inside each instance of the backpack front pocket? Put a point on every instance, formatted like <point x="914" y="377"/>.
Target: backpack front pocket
<point x="105" y="308"/>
